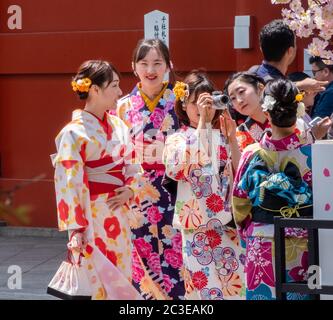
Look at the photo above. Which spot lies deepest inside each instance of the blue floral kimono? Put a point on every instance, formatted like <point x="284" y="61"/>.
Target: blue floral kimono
<point x="158" y="244"/>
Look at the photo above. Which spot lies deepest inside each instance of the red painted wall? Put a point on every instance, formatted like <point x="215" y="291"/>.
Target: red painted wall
<point x="37" y="62"/>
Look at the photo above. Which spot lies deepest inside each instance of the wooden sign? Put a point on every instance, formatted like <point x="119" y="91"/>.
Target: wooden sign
<point x="157" y="26"/>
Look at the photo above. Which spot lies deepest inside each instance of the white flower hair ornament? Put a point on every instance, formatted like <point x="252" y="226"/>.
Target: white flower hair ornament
<point x="268" y="104"/>
<point x="300" y="110"/>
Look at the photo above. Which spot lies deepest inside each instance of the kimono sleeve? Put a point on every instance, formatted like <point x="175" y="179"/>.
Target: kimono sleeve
<point x="133" y="170"/>
<point x="71" y="183"/>
<point x="182" y="154"/>
<point x="244" y="139"/>
<point x="241" y="203"/>
<point x="122" y="108"/>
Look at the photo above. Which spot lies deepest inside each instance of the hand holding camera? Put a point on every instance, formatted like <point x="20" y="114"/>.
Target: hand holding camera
<point x="320" y="127"/>
<point x="204" y="104"/>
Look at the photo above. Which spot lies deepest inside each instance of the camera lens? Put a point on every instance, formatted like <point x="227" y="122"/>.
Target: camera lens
<point x="220" y="100"/>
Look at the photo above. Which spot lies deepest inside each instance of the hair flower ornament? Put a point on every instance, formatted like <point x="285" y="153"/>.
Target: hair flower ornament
<point x="269" y="103"/>
<point x="299" y="97"/>
<point x="181" y="91"/>
<point x="300" y="105"/>
<point x="81" y="85"/>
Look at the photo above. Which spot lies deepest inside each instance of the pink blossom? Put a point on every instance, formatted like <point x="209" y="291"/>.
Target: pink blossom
<point x="259" y="264"/>
<point x="134" y="116"/>
<point x="137" y="102"/>
<point x="137" y="271"/>
<point x="169" y="106"/>
<point x="167" y="283"/>
<point x="173" y="258"/>
<point x="315" y="20"/>
<point x="137" y="274"/>
<point x="154" y="215"/>
<point x="144" y="248"/>
<point x="177" y="242"/>
<point x="154" y="263"/>
<point x="157" y="117"/>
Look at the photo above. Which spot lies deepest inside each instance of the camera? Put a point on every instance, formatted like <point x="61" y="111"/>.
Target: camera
<point x="220" y="100"/>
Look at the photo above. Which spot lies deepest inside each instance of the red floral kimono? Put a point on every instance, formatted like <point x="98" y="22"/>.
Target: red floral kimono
<point x="93" y="158"/>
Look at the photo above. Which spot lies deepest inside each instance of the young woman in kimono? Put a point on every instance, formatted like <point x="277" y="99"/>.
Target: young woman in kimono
<point x="149" y="113"/>
<point x="96" y="178"/>
<point x="201" y="159"/>
<point x="274" y="179"/>
<point x="244" y="90"/>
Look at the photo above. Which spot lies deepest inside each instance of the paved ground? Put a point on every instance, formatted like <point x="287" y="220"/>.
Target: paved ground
<point x="38" y="257"/>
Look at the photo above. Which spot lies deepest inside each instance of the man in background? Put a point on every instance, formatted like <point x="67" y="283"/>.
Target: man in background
<point x="278" y="46"/>
<point x="323" y="104"/>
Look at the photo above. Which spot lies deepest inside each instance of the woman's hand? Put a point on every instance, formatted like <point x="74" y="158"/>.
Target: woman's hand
<point x="228" y="128"/>
<point x="204" y="104"/>
<point x="321" y="128"/>
<point x="228" y="125"/>
<point x="123" y="195"/>
<point x="77" y="241"/>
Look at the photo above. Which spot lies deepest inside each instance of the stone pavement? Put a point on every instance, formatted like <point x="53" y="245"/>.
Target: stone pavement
<point x="38" y="252"/>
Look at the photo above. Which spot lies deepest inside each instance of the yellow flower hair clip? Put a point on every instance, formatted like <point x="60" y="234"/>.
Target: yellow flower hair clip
<point x="81" y="85"/>
<point x="181" y="91"/>
<point x="299" y="96"/>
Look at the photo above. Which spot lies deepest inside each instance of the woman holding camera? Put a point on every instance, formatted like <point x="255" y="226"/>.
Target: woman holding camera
<point x="202" y="160"/>
<point x="245" y="90"/>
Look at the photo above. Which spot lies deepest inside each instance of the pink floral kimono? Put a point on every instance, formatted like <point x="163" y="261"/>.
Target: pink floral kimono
<point x="273" y="177"/>
<point x="157" y="242"/>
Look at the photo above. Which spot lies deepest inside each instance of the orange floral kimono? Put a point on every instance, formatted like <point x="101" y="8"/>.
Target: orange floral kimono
<point x="94" y="157"/>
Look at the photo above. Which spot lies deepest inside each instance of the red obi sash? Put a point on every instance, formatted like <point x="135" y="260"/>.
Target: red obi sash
<point x="153" y="166"/>
<point x="103" y="178"/>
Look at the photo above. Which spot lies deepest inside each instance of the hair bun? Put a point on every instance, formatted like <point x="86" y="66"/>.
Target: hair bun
<point x="285" y="109"/>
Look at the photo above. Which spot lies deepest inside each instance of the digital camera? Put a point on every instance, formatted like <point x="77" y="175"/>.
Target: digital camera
<point x="220" y="100"/>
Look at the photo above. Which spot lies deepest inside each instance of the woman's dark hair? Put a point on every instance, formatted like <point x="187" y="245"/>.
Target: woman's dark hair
<point x="198" y="82"/>
<point x="144" y="46"/>
<point x="246" y="77"/>
<point x="249" y="78"/>
<point x="99" y="72"/>
<point x="284" y="111"/>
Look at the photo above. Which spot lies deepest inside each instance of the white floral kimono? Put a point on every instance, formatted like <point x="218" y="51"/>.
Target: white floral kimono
<point x="211" y="252"/>
<point x="93" y="158"/>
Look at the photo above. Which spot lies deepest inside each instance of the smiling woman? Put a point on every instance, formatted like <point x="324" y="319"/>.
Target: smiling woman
<point x="149" y="113"/>
<point x="95" y="184"/>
